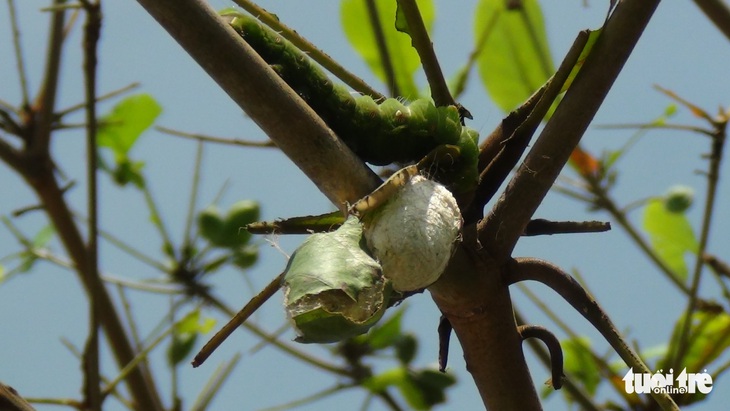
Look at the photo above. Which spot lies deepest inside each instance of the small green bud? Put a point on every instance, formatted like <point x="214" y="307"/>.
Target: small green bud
<point x="679" y="198"/>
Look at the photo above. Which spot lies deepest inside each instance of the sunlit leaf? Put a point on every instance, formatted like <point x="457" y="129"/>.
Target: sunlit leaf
<point x="121" y="128"/>
<point x="584" y="163"/>
<point x="407" y="385"/>
<point x="515" y="59"/>
<point x="592" y="37"/>
<point x="709" y="337"/>
<point x="184" y="335"/>
<point x="359" y="31"/>
<point x="43" y="236"/>
<point x="580" y="364"/>
<point x="671" y="236"/>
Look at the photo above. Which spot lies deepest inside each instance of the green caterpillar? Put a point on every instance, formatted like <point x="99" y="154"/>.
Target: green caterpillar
<point x="380" y="134"/>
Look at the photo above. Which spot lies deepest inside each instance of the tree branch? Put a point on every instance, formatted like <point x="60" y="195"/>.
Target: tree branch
<point x="45" y="102"/>
<point x="477" y="304"/>
<point x="718" y="12"/>
<point x="501" y="229"/>
<point x="270" y="102"/>
<point x="423" y="45"/>
<point x="533" y="269"/>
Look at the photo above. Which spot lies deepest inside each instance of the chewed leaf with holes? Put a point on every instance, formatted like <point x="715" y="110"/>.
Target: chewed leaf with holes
<point x="333" y="288"/>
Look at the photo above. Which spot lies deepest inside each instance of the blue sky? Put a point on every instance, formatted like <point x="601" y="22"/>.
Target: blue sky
<point x="680" y="50"/>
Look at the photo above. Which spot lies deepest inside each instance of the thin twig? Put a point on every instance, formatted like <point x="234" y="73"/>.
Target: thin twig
<point x="192" y="204"/>
<point x="254" y="304"/>
<point x="541" y="226"/>
<point x="312" y="51"/>
<point x="374" y="18"/>
<point x="218" y="140"/>
<point x="22" y="77"/>
<point x="45" y="101"/>
<point x="423" y="45"/>
<point x="68" y="110"/>
<point x="92" y="29"/>
<point x="575" y="392"/>
<point x="300" y="355"/>
<point x="553" y="345"/>
<point x="713" y="177"/>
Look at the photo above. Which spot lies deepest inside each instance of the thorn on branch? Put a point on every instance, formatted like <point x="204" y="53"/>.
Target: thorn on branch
<point x="444" y="331"/>
<point x="553" y="345"/>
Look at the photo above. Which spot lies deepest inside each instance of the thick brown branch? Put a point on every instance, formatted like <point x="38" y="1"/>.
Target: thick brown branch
<point x="477" y="304"/>
<point x="501" y="229"/>
<point x="423" y="45"/>
<point x="270" y="102"/>
<point x="718" y="12"/>
<point x="523" y="269"/>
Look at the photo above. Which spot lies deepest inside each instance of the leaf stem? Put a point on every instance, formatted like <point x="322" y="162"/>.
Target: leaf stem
<point x="713" y="177"/>
<point x="374" y="16"/>
<point x="423" y="45"/>
<point x="306" y="46"/>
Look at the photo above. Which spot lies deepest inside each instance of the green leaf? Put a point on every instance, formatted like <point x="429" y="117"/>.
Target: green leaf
<point x="241" y="214"/>
<point x="709" y="337"/>
<point x="432" y="384"/>
<point x="246" y="256"/>
<point x="406" y="348"/>
<point x="43" y="236"/>
<point x="421" y="389"/>
<point x="184" y="334"/>
<point x="671" y="236"/>
<point x="515" y="58"/>
<point x="121" y="128"/>
<point x="210" y="224"/>
<point x="128" y="171"/>
<point x="401" y="23"/>
<point x="580" y="363"/>
<point x="180" y="348"/>
<point x="359" y="32"/>
<point x="592" y="37"/>
<point x="387" y="333"/>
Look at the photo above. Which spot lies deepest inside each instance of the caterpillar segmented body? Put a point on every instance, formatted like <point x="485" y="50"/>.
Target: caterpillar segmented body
<point x="380" y="134"/>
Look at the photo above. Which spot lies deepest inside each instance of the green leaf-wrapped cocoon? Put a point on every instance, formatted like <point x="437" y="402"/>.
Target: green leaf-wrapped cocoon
<point x="413" y="234"/>
<point x="333" y="288"/>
